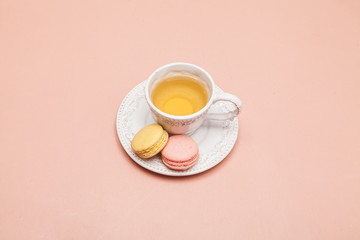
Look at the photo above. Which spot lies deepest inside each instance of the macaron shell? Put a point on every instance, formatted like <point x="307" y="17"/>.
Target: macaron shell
<point x="155" y="150"/>
<point x="180" y="165"/>
<point x="147" y="137"/>
<point x="149" y="141"/>
<point x="180" y="153"/>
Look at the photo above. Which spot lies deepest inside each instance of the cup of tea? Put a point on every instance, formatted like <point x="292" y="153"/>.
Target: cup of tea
<point x="180" y="95"/>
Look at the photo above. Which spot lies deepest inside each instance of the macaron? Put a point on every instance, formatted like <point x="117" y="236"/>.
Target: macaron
<point x="149" y="141"/>
<point x="180" y="153"/>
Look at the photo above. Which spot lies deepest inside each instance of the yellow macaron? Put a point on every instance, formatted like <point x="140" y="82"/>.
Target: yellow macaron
<point x="149" y="141"/>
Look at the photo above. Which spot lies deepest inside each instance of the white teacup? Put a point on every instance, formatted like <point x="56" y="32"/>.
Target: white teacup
<point x="189" y="123"/>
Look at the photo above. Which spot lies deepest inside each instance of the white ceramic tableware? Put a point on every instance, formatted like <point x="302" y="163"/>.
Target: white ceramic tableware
<point x="189" y="123"/>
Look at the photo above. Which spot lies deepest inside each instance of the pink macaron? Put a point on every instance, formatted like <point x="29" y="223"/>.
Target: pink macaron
<point x="180" y="153"/>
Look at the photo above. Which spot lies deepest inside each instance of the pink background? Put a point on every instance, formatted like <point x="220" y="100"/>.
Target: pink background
<point x="65" y="67"/>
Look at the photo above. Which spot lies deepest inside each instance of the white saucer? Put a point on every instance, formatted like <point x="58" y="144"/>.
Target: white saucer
<point x="215" y="139"/>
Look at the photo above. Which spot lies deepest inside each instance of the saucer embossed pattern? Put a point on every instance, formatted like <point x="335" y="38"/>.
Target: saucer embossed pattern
<point x="215" y="139"/>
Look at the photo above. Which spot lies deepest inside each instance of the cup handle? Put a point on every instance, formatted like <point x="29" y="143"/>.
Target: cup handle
<point x="227" y="115"/>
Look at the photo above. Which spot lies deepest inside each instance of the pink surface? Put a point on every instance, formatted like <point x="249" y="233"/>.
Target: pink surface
<point x="65" y="67"/>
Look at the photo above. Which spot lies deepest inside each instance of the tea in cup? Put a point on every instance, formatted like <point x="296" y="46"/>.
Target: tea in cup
<point x="180" y="95"/>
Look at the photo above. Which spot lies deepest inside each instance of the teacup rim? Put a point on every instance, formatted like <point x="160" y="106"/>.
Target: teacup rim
<point x="194" y="115"/>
